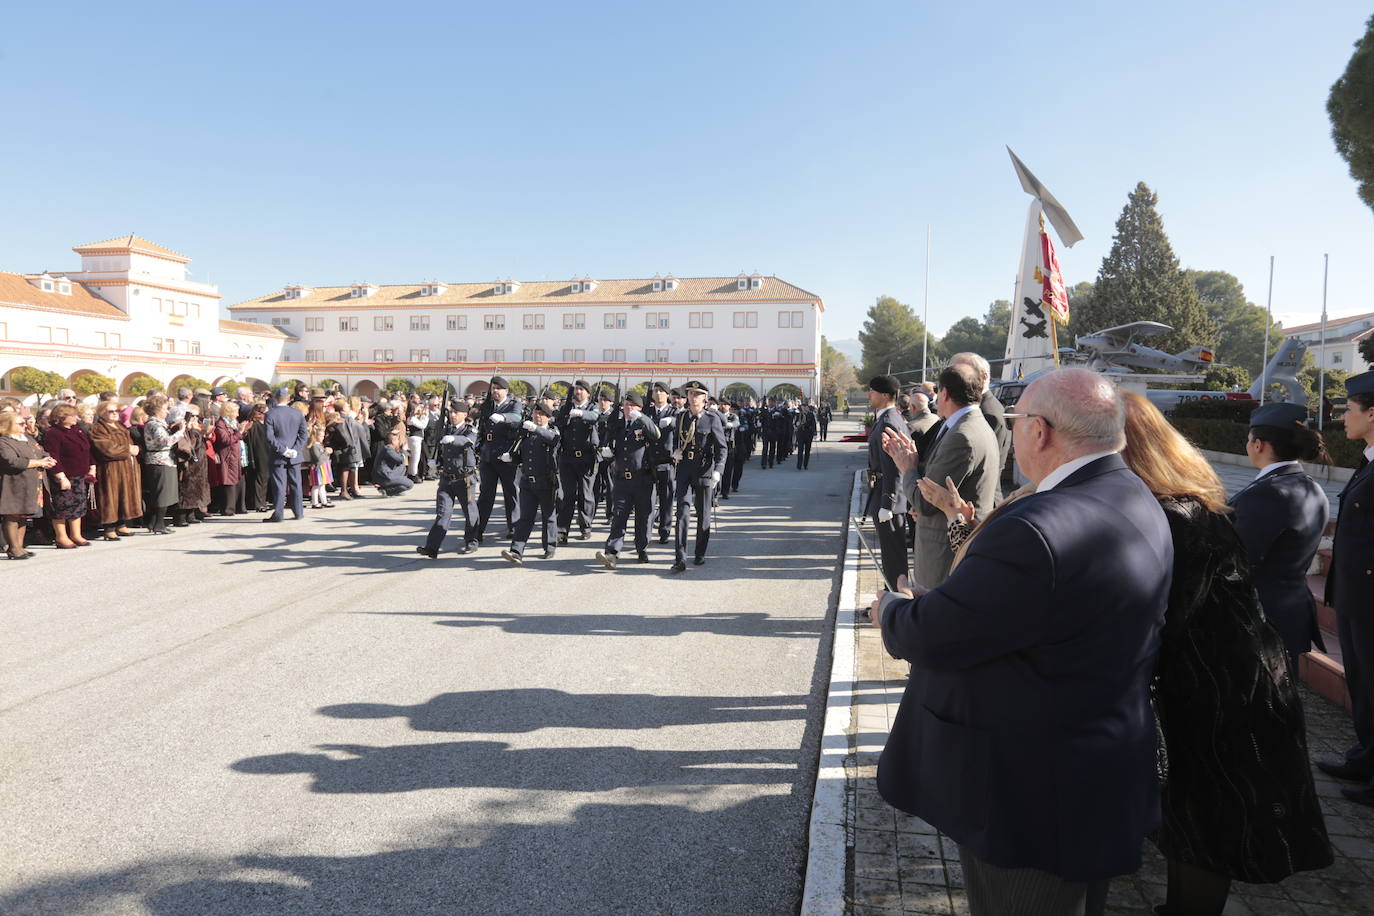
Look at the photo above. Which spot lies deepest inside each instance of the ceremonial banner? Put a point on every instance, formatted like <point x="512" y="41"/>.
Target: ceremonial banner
<point x="1040" y="300"/>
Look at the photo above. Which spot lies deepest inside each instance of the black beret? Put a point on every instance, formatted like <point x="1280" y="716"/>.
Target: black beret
<point x="498" y="381"/>
<point x="634" y="399"/>
<point x="659" y="386"/>
<point x="884" y="384"/>
<point x="543" y="408"/>
<point x="582" y="383"/>
<point x="606" y="394"/>
<point x="676" y="392"/>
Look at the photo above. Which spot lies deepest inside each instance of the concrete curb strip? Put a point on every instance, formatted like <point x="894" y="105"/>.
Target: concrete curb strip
<point x="830" y="839"/>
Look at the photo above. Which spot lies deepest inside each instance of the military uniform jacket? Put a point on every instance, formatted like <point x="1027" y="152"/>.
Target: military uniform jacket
<point x="498" y="438"/>
<point x="702" y="440"/>
<point x="1350" y="582"/>
<point x="732" y="423"/>
<point x="633" y="445"/>
<point x="459" y="457"/>
<point x="539" y="461"/>
<point x="884" y="492"/>
<point x="1280" y="519"/>
<point x="578" y="434"/>
<point x="667" y="441"/>
<point x="806" y="427"/>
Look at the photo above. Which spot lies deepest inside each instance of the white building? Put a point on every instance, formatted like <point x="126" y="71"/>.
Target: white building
<point x="752" y="331"/>
<point x="1343" y="338"/>
<point x="128" y="313"/>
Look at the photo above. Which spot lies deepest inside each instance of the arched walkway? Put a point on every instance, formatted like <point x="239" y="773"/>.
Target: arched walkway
<point x="521" y="388"/>
<point x="258" y="385"/>
<point x="738" y="391"/>
<point x="366" y="388"/>
<point x="126" y="387"/>
<point x="477" y="388"/>
<point x="784" y="391"/>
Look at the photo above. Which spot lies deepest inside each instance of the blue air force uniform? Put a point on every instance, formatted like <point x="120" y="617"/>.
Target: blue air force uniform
<point x="498" y="438"/>
<point x="666" y="418"/>
<point x="577" y="427"/>
<point x="701" y="447"/>
<point x="538" y="487"/>
<point x="458" y="484"/>
<point x="632" y="480"/>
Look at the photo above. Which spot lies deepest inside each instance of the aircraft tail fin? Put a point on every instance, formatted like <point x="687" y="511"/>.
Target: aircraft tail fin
<point x="1203" y="356"/>
<point x="1283" y="369"/>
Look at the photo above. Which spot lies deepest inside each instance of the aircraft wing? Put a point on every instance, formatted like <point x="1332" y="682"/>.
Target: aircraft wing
<point x="1123" y="334"/>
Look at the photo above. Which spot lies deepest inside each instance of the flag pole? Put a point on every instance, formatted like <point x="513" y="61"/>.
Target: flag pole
<point x="925" y="320"/>
<point x="1321" y="365"/>
<point x="1269" y="310"/>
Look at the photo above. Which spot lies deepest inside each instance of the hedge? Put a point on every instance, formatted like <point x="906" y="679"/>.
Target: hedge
<point x="1229" y="436"/>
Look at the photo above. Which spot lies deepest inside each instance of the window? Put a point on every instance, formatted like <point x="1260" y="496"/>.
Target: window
<point x="457" y="356"/>
<point x="348" y="324"/>
<point x="382" y="323"/>
<point x="457" y="322"/>
<point x="281" y="322"/>
<point x="744" y="356"/>
<point x="494" y="322"/>
<point x="574" y="321"/>
<point x="655" y="319"/>
<point x="157" y="343"/>
<point x="746" y="319"/>
<point x="756" y="282"/>
<point x="4" y="330"/>
<point x="47" y="286"/>
<point x="615" y="320"/>
<point x="1335" y="358"/>
<point x="741" y="283"/>
<point x="195" y="309"/>
<point x="158" y="302"/>
<point x="314" y="356"/>
<point x="348" y="356"/>
<point x="382" y="356"/>
<point x="193" y="346"/>
<point x="534" y="322"/>
<point x="314" y="324"/>
<point x="185" y="308"/>
<point x="789" y="356"/>
<point x="613" y="356"/>
<point x="791" y="320"/>
<point x="701" y="320"/>
<point x="419" y="356"/>
<point x="574" y="356"/>
<point x="116" y="340"/>
<point x="532" y="356"/>
<point x="655" y="356"/>
<point x="419" y="322"/>
<point x="60" y="335"/>
<point x="64" y="288"/>
<point x="171" y="345"/>
<point x="493" y="356"/>
<point x="577" y="286"/>
<point x="699" y="356"/>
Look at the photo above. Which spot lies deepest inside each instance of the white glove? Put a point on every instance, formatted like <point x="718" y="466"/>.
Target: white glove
<point x="665" y="421"/>
<point x="505" y="456"/>
<point x="498" y="418"/>
<point x="605" y="452"/>
<point x="289" y="453"/>
<point x="529" y="424"/>
<point x="575" y="412"/>
<point x="447" y="439"/>
<point x="715" y="478"/>
<point x="884" y="515"/>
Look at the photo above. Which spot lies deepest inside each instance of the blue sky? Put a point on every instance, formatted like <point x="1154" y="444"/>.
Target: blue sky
<point x="330" y="143"/>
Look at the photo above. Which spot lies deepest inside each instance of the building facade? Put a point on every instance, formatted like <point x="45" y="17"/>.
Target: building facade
<point x="1343" y="338"/>
<point x="759" y="334"/>
<point x="129" y="313"/>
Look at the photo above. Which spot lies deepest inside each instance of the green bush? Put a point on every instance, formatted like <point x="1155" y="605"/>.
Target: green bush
<point x="435" y="387"/>
<point x="521" y="389"/>
<point x="142" y="385"/>
<point x="398" y="385"/>
<point x="93" y="383"/>
<point x="1229" y="436"/>
<point x="36" y="381"/>
<point x="1216" y="409"/>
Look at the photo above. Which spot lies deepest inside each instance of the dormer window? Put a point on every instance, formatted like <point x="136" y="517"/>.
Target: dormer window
<point x="658" y="286"/>
<point x="588" y="284"/>
<point x="576" y="286"/>
<point x="670" y="282"/>
<point x="433" y="289"/>
<point x="756" y="282"/>
<point x="502" y="287"/>
<point x="741" y="282"/>
<point x="296" y="291"/>
<point x="64" y="288"/>
<point x="362" y="290"/>
<point x="46" y="285"/>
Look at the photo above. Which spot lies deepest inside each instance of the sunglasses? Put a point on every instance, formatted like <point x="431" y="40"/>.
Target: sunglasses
<point x="1012" y="417"/>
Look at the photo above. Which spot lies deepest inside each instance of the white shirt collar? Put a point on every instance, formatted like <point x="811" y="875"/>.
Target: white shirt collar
<point x="879" y="415"/>
<point x="1274" y="466"/>
<point x="955" y="417"/>
<point x="1058" y="475"/>
<point x="1369" y="453"/>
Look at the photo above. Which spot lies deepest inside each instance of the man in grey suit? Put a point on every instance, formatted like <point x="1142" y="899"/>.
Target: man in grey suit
<point x="991" y="408"/>
<point x="965" y="451"/>
<point x="286" y="434"/>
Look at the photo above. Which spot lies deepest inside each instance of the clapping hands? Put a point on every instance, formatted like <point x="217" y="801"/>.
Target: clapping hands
<point x="946" y="498"/>
<point x="900" y="449"/>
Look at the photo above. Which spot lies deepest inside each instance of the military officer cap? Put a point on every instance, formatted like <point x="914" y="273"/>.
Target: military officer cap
<point x="694" y="386"/>
<point x="659" y="386"/>
<point x="1360" y="384"/>
<point x="582" y="383"/>
<point x="498" y="381"/>
<point x="1279" y="415"/>
<point x="676" y="392"/>
<point x="884" y="384"/>
<point x="634" y="399"/>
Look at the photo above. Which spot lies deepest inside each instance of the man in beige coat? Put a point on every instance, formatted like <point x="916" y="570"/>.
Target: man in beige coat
<point x="965" y="451"/>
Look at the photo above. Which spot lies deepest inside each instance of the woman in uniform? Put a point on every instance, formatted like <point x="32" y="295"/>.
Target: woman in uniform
<point x="1280" y="519"/>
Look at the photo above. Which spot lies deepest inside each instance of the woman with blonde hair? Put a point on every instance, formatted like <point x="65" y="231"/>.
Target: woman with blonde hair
<point x="1238" y="800"/>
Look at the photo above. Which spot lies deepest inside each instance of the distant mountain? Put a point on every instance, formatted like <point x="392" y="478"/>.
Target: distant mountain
<point x="852" y="350"/>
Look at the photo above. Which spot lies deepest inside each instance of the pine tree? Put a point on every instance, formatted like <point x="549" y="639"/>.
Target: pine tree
<point x="1351" y="108"/>
<point x="1140" y="280"/>
<point x="891" y="339"/>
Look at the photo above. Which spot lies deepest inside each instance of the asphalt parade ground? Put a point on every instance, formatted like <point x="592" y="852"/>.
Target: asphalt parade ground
<point x="310" y="718"/>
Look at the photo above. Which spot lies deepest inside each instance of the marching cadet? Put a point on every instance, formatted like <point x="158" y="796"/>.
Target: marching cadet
<point x="823" y="418"/>
<point x="806" y="434"/>
<point x="700" y="465"/>
<point x="765" y="427"/>
<point x="538" y="484"/>
<point x="498" y="427"/>
<point x="577" y="427"/>
<point x="662" y="413"/>
<point x="1350" y="590"/>
<point x="733" y="462"/>
<point x="605" y="406"/>
<point x="458" y="481"/>
<point x="631" y="459"/>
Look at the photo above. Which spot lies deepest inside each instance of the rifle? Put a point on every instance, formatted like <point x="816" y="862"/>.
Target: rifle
<point x="526" y="414"/>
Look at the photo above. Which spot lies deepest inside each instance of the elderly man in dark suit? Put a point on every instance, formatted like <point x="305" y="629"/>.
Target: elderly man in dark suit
<point x="286" y="434"/>
<point x="1026" y="733"/>
<point x="886" y="503"/>
<point x="963" y="451"/>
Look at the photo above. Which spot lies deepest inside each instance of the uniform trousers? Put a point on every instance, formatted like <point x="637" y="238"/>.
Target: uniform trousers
<point x="536" y="498"/>
<point x="663" y="500"/>
<point x="892" y="547"/>
<point x="286" y="479"/>
<point x="637" y="494"/>
<point x="734" y="468"/>
<point x="461" y="491"/>
<point x="578" y="477"/>
<point x="692" y="486"/>
<point x="803" y="454"/>
<point x="603" y="492"/>
<point x="995" y="891"/>
<point x="1355" y="629"/>
<point x="770" y="451"/>
<point x="492" y="472"/>
<point x="824" y="428"/>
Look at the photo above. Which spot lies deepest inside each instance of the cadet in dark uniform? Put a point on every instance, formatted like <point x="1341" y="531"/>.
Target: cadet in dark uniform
<point x="700" y="467"/>
<point x="662" y="413"/>
<point x="632" y="478"/>
<point x="1280" y="519"/>
<point x="601" y="491"/>
<point x="1350" y="590"/>
<point x="744" y="447"/>
<point x="768" y="420"/>
<point x="823" y="419"/>
<point x="498" y="427"/>
<point x="538" y="484"/>
<point x="577" y="421"/>
<point x="886" y="503"/>
<point x="806" y="434"/>
<point x="458" y="478"/>
<point x="732" y="423"/>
